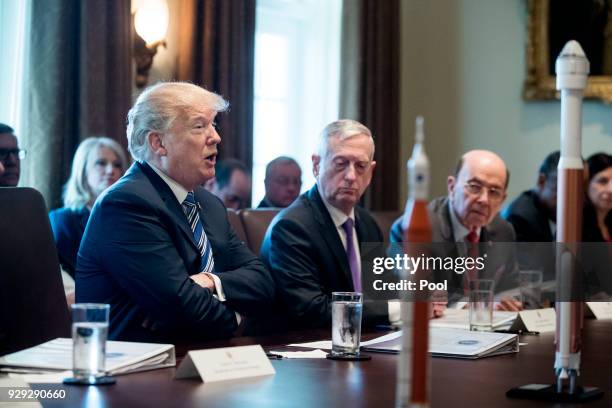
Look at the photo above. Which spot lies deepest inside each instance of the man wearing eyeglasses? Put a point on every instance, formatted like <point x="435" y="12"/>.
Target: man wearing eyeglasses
<point x="470" y="215"/>
<point x="10" y="157"/>
<point x="312" y="248"/>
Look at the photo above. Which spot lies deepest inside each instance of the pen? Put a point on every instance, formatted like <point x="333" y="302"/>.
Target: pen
<point x="273" y="356"/>
<point x="526" y="332"/>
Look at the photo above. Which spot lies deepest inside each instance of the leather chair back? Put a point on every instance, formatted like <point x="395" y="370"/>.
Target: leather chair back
<point x="255" y="222"/>
<point x="33" y="306"/>
<point x="236" y="223"/>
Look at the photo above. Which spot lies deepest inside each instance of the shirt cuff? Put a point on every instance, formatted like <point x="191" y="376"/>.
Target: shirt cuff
<point x="393" y="307"/>
<point x="220" y="295"/>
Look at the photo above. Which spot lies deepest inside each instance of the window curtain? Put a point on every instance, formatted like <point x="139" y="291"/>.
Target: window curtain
<point x="217" y="52"/>
<point x="77" y="83"/>
<point x="369" y="89"/>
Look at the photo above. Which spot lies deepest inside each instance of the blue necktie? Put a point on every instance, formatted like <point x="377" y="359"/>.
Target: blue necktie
<point x="190" y="207"/>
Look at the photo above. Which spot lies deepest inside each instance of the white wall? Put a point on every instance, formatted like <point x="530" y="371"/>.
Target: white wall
<point x="463" y="65"/>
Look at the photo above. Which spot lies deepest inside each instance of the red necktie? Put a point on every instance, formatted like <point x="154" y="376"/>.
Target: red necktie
<point x="472" y="239"/>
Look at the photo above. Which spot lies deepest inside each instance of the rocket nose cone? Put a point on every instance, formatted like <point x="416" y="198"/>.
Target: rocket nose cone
<point x="572" y="61"/>
<point x="572" y="48"/>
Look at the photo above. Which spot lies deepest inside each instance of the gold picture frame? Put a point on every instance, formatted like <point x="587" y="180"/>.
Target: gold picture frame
<point x="540" y="83"/>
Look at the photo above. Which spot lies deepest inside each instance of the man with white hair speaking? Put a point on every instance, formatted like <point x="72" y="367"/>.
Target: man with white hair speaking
<point x="312" y="247"/>
<point x="158" y="247"/>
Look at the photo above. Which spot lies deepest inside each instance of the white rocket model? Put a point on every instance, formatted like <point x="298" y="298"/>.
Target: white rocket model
<point x="572" y="69"/>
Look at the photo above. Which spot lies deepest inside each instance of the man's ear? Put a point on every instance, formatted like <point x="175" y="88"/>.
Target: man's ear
<point x="156" y="141"/>
<point x="316" y="161"/>
<point x="450" y="184"/>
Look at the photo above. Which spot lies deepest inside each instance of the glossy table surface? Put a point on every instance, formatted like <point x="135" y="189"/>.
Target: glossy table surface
<point x="325" y="383"/>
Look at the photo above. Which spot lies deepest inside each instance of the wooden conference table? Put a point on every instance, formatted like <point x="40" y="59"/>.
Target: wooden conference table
<point x="325" y="383"/>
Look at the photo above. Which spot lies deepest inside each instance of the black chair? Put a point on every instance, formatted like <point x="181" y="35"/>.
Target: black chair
<point x="33" y="306"/>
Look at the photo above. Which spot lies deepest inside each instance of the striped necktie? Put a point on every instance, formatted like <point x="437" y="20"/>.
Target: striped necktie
<point x="190" y="207"/>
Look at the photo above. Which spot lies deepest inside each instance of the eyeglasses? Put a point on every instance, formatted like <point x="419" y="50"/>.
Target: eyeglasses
<point x="495" y="194"/>
<point x="18" y="153"/>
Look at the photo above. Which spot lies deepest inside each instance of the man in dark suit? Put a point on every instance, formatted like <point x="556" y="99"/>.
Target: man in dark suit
<point x="312" y="248"/>
<point x="469" y="218"/>
<point x="533" y="214"/>
<point x="158" y="247"/>
<point x="283" y="182"/>
<point x="10" y="157"/>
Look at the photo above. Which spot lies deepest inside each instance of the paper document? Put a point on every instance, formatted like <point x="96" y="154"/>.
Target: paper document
<point x="460" y="319"/>
<point x="121" y="357"/>
<point x="449" y="342"/>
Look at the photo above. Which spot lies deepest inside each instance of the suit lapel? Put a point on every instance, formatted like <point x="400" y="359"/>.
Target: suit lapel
<point x="329" y="232"/>
<point x="174" y="208"/>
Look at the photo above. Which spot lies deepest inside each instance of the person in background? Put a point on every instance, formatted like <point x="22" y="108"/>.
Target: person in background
<point x="10" y="157"/>
<point x="98" y="163"/>
<point x="232" y="183"/>
<point x="533" y="214"/>
<point x="597" y="218"/>
<point x="283" y="182"/>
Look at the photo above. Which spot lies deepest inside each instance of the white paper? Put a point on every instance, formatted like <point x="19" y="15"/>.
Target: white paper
<point x="318" y="353"/>
<point x="460" y="319"/>
<point x="121" y="356"/>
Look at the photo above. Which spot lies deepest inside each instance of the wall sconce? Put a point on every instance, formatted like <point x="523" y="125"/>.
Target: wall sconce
<point x="150" y="27"/>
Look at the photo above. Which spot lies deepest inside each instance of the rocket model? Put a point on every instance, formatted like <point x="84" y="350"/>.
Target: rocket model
<point x="413" y="365"/>
<point x="572" y="69"/>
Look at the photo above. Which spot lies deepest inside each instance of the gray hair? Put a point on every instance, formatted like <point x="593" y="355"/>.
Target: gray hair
<point x="342" y="129"/>
<point x="280" y="160"/>
<point x="158" y="107"/>
<point x="77" y="191"/>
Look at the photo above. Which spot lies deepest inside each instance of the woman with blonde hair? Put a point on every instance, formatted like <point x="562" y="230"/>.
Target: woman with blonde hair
<point x="98" y="163"/>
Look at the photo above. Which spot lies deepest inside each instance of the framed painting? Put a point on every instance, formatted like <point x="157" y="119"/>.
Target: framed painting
<point x="551" y="23"/>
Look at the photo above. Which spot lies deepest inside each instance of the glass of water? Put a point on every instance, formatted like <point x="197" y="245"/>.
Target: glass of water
<point x="481" y="304"/>
<point x="346" y="323"/>
<point x="89" y="332"/>
<point x="530" y="283"/>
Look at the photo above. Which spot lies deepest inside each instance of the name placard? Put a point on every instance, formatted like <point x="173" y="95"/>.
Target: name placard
<point x="601" y="310"/>
<point x="227" y="363"/>
<point x="537" y="320"/>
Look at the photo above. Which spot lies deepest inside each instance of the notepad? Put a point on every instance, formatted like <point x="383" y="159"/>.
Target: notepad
<point x="449" y="342"/>
<point x="122" y="357"/>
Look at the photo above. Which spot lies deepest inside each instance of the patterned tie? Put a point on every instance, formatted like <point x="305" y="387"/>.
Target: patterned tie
<point x="352" y="255"/>
<point x="190" y="207"/>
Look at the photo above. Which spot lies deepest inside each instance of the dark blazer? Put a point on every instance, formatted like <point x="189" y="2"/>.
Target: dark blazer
<point x="500" y="263"/>
<point x="265" y="204"/>
<point x="305" y="255"/>
<point x="535" y="249"/>
<point x="138" y="252"/>
<point x="529" y="218"/>
<point x="68" y="226"/>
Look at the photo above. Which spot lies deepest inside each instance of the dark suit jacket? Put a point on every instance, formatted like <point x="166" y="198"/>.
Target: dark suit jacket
<point x="529" y="218"/>
<point x="265" y="204"/>
<point x="138" y="252"/>
<point x="68" y="226"/>
<point x="307" y="260"/>
<point x="535" y="246"/>
<point x="500" y="263"/>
